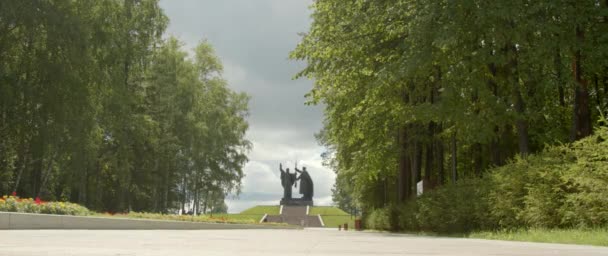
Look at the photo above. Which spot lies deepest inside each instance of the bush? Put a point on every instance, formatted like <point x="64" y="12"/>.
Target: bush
<point x="380" y="219"/>
<point x="565" y="186"/>
<point x="527" y="192"/>
<point x="29" y="205"/>
<point x="458" y="208"/>
<point x="586" y="183"/>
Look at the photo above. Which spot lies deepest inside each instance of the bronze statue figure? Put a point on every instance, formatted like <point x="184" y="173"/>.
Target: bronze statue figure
<point x="287" y="180"/>
<point x="306" y="185"/>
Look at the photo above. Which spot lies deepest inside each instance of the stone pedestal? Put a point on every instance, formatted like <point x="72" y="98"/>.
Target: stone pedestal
<point x="296" y="202"/>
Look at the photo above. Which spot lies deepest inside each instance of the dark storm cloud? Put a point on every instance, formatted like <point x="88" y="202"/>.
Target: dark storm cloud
<point x="253" y="38"/>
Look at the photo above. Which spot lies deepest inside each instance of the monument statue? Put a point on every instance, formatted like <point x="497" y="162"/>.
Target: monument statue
<point x="288" y="180"/>
<point x="306" y="185"/>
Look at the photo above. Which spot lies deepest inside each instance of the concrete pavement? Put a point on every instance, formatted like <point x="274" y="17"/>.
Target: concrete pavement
<point x="263" y="242"/>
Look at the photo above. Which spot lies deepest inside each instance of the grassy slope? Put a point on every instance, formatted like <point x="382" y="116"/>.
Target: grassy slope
<point x="563" y="236"/>
<point x="326" y="210"/>
<point x="261" y="210"/>
<point x="333" y="216"/>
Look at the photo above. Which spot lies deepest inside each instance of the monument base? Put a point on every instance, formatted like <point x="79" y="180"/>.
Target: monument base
<point x="296" y="202"/>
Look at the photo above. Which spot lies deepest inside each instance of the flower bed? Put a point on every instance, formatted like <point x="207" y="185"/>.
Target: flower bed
<point x="29" y="205"/>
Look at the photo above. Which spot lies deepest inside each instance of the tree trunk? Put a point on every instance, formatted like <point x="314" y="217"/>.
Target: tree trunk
<point x="477" y="159"/>
<point x="428" y="169"/>
<point x="47" y="174"/>
<point x="598" y="95"/>
<point x="521" y="124"/>
<point x="82" y="196"/>
<point x="581" y="123"/>
<point x="604" y="105"/>
<point x="417" y="162"/>
<point x="404" y="180"/>
<point x="454" y="159"/>
<point x="605" y="94"/>
<point x="206" y="203"/>
<point x="495" y="148"/>
<point x="439" y="151"/>
<point x="22" y="163"/>
<point x="183" y="196"/>
<point x="36" y="174"/>
<point x="197" y="199"/>
<point x="440" y="169"/>
<point x="558" y="72"/>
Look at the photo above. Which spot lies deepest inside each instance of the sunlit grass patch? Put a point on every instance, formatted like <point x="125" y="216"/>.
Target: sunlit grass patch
<point x="333" y="221"/>
<point x="564" y="236"/>
<point x="326" y="210"/>
<point x="262" y="209"/>
<point x="333" y="216"/>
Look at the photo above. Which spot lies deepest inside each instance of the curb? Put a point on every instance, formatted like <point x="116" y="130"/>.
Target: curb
<point x="13" y="220"/>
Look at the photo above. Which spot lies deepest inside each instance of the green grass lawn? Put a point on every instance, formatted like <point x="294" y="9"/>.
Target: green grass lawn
<point x="333" y="216"/>
<point x="332" y="221"/>
<point x="562" y="236"/>
<point x="261" y="210"/>
<point x="326" y="210"/>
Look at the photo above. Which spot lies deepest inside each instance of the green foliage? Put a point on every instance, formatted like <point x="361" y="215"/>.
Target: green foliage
<point x="408" y="86"/>
<point x="563" y="187"/>
<point x="586" y="183"/>
<point x="379" y="219"/>
<point x="458" y="208"/>
<point x="97" y="108"/>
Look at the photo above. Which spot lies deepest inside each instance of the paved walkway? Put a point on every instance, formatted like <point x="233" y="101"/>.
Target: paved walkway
<point x="295" y="215"/>
<point x="262" y="242"/>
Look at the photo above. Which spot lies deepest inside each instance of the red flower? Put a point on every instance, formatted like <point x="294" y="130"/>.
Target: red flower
<point x="38" y="201"/>
<point x="14" y="193"/>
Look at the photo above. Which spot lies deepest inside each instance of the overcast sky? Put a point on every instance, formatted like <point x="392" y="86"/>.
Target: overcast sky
<point x="253" y="39"/>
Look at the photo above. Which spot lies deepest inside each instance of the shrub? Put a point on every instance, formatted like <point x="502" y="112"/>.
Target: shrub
<point x="564" y="186"/>
<point x="527" y="192"/>
<point x="379" y="219"/>
<point x="586" y="181"/>
<point x="458" y="208"/>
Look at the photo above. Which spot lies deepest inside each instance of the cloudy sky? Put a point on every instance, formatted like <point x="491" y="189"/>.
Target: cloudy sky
<point x="253" y="38"/>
